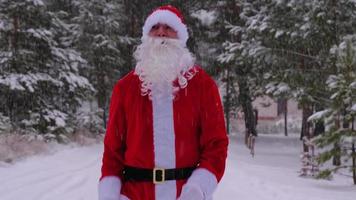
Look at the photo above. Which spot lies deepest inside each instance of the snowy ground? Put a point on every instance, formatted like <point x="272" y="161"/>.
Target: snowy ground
<point x="273" y="174"/>
<point x="72" y="174"/>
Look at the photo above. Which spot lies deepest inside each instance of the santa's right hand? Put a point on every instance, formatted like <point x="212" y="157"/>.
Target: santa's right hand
<point x="109" y="188"/>
<point x="191" y="192"/>
<point x="123" y="197"/>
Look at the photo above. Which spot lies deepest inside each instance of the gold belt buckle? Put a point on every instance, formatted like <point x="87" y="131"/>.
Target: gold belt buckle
<point x="155" y="170"/>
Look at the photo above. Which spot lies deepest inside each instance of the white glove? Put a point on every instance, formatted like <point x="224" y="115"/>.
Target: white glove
<point x="109" y="188"/>
<point x="123" y="197"/>
<point x="191" y="192"/>
<point x="200" y="186"/>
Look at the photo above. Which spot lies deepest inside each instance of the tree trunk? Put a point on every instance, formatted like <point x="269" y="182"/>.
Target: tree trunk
<point x="12" y="97"/>
<point x="14" y="38"/>
<point x="305" y="132"/>
<point x="354" y="163"/>
<point x="227" y="101"/>
<point x="353" y="154"/>
<point x="337" y="157"/>
<point x="102" y="93"/>
<point x="246" y="103"/>
<point x="285" y="118"/>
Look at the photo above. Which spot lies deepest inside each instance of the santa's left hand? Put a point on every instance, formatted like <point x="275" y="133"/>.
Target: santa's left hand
<point x="191" y="192"/>
<point x="200" y="186"/>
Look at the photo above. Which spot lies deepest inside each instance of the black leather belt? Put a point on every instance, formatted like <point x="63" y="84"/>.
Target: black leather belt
<point x="156" y="175"/>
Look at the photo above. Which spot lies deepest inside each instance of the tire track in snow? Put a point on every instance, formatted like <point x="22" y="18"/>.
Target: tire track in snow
<point x="66" y="186"/>
<point x="49" y="175"/>
<point x="46" y="162"/>
<point x="65" y="174"/>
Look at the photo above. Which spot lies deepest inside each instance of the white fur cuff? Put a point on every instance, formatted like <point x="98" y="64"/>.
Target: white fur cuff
<point x="109" y="188"/>
<point x="205" y="180"/>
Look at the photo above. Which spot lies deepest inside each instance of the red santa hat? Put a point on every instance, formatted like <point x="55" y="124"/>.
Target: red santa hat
<point x="169" y="15"/>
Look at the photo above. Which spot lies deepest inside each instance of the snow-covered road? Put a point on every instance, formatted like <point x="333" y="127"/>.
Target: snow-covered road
<point x="273" y="174"/>
<point x="72" y="174"/>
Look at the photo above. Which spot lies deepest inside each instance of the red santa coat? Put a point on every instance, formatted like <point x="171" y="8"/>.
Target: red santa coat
<point x="199" y="132"/>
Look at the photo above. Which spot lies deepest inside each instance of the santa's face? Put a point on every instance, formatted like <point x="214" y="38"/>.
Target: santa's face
<point x="161" y="59"/>
<point x="163" y="30"/>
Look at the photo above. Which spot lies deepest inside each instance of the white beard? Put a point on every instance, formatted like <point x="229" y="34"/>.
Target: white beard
<point x="160" y="61"/>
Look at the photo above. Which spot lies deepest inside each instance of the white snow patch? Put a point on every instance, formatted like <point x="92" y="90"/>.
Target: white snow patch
<point x="273" y="173"/>
<point x="226" y="57"/>
<point x="76" y="81"/>
<point x="2" y="25"/>
<point x="353" y="84"/>
<point x="18" y="81"/>
<point x="348" y="140"/>
<point x="12" y="82"/>
<point x="319" y="115"/>
<point x="36" y="2"/>
<point x="294" y="34"/>
<point x="321" y="14"/>
<point x="278" y="34"/>
<point x="206" y="17"/>
<point x="71" y="173"/>
<point x="332" y="81"/>
<point x="333" y="96"/>
<point x="56" y="115"/>
<point x="353" y="108"/>
<point x="305" y="27"/>
<point x="334" y="49"/>
<point x="263" y="26"/>
<point x="283" y="87"/>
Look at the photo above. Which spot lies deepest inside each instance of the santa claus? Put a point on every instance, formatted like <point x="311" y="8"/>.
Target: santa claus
<point x="166" y="136"/>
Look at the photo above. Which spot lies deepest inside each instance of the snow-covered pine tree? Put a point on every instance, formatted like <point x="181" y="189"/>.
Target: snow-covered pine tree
<point x="5" y="125"/>
<point x="102" y="39"/>
<point x="207" y="29"/>
<point x="40" y="84"/>
<point x="243" y="53"/>
<point x="300" y="36"/>
<point x="303" y="40"/>
<point x="294" y="69"/>
<point x="340" y="137"/>
<point x="335" y="21"/>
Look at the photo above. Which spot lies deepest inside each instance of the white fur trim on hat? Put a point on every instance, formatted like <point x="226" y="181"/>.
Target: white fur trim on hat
<point x="169" y="18"/>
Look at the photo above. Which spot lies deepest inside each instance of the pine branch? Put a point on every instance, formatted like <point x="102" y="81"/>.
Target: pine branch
<point x="298" y="54"/>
